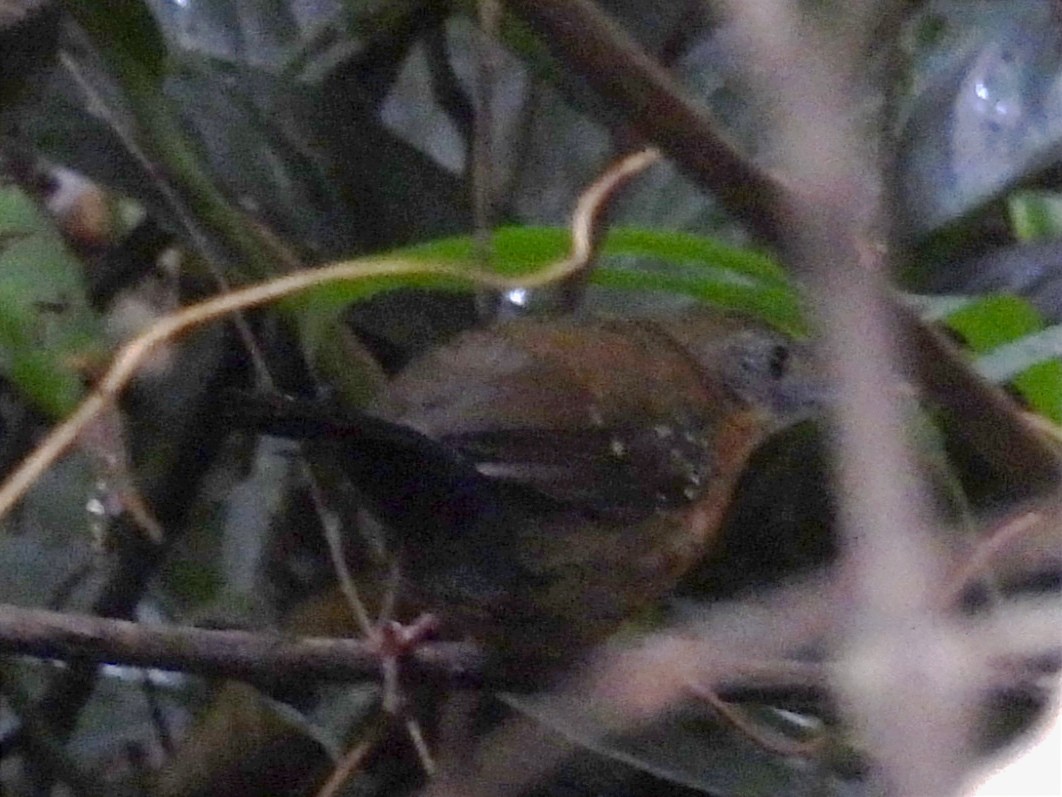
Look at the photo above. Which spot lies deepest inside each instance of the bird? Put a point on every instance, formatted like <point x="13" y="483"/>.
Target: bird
<point x="546" y="480"/>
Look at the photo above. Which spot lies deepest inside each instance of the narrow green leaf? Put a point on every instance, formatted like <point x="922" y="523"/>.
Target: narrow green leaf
<point x="681" y="263"/>
<point x="776" y="306"/>
<point x="687" y="264"/>
<point x="686" y="248"/>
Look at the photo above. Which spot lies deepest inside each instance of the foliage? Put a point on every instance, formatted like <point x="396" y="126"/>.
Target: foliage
<point x="47" y="327"/>
<point x="262" y="146"/>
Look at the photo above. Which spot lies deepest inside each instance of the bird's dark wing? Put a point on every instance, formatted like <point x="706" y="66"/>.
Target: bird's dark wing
<point x="624" y="469"/>
<point x="410" y="481"/>
<point x="409" y="477"/>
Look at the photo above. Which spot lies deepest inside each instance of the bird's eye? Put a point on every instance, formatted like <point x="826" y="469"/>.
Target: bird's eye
<point x="779" y="361"/>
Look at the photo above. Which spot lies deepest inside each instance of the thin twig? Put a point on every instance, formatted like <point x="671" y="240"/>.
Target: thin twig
<point x="132" y="355"/>
<point x="155" y="711"/>
<point x="202" y="240"/>
<point x="38" y="740"/>
<point x="978" y="563"/>
<point x="761" y="736"/>
<point x="254" y="657"/>
<point x="350" y="763"/>
<point x="330" y="525"/>
<point x="482" y="170"/>
<point x="447" y="89"/>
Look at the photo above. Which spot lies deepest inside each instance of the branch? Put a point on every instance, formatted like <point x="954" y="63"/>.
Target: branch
<point x="759" y="670"/>
<point x="243" y="655"/>
<point x="590" y="44"/>
<point x="827" y="219"/>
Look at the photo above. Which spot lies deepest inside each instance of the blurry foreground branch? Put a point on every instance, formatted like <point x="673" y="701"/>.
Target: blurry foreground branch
<point x="717" y="645"/>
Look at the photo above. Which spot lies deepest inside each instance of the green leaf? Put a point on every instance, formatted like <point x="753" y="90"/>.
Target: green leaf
<point x="695" y="266"/>
<point x="771" y="304"/>
<point x="1010" y="333"/>
<point x="686" y="248"/>
<point x="515" y="251"/>
<point x="1035" y="215"/>
<point x="692" y="265"/>
<point x="1041" y="386"/>
<point x="994" y="320"/>
<point x="46" y="323"/>
<point x="1032" y="364"/>
<point x="126" y="35"/>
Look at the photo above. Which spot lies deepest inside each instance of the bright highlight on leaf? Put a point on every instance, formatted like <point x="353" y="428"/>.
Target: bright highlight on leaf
<point x="685" y="263"/>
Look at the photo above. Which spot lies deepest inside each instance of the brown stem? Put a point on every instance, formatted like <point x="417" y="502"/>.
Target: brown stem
<point x="653" y="103"/>
<point x="256" y="657"/>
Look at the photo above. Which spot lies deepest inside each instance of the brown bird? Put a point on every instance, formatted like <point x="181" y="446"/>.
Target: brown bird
<point x="547" y="480"/>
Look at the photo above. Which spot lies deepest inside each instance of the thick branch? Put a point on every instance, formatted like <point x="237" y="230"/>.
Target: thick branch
<point x="653" y="103"/>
